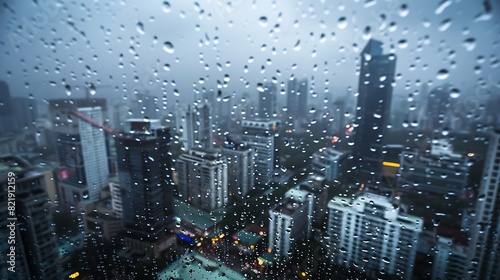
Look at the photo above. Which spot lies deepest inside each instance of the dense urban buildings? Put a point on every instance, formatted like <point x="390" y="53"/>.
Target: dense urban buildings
<point x="254" y="140"/>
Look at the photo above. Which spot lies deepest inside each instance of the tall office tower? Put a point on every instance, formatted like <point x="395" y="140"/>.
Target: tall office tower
<point x="261" y="135"/>
<point x="373" y="110"/>
<point x="438" y="108"/>
<point x="240" y="167"/>
<point x="267" y="100"/>
<point x="302" y="91"/>
<point x="485" y="235"/>
<point x="120" y="115"/>
<point x="202" y="175"/>
<point x="25" y="111"/>
<point x="36" y="254"/>
<point x="81" y="148"/>
<point x="145" y="178"/>
<point x="290" y="221"/>
<point x="317" y="186"/>
<point x="374" y="234"/>
<point x="198" y="128"/>
<point x="8" y="122"/>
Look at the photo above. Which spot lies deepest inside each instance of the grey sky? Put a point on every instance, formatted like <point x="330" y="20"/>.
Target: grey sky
<point x="85" y="41"/>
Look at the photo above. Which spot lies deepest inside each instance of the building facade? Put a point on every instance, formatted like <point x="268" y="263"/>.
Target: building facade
<point x="36" y="251"/>
<point x="261" y="135"/>
<point x="145" y="181"/>
<point x="372" y="234"/>
<point x="240" y="168"/>
<point x="202" y="178"/>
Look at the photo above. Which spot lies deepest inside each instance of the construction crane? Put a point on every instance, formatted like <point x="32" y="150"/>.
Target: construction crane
<point x="96" y="124"/>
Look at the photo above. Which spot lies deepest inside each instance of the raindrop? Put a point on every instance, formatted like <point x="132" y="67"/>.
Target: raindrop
<point x="92" y="89"/>
<point x="140" y="28"/>
<point x="168" y="47"/>
<point x="442" y="6"/>
<point x="166" y="7"/>
<point x="402" y="44"/>
<point x="67" y="89"/>
<point x="297" y="46"/>
<point x="342" y="23"/>
<point x="469" y="44"/>
<point x="263" y="21"/>
<point x="442" y="74"/>
<point x="403" y="10"/>
<point x="445" y="24"/>
<point x="455" y="93"/>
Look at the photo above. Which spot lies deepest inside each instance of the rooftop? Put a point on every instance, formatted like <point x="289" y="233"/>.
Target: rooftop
<point x="196" y="266"/>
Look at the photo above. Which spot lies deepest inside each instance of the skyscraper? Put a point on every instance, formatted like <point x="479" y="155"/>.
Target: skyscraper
<point x="202" y="175"/>
<point x="261" y="135"/>
<point x="485" y="235"/>
<point x="81" y="148"/>
<point x="240" y="167"/>
<point x="374" y="234"/>
<point x="198" y="128"/>
<point x="373" y="109"/>
<point x="267" y="100"/>
<point x="36" y="251"/>
<point x="296" y="102"/>
<point x="145" y="177"/>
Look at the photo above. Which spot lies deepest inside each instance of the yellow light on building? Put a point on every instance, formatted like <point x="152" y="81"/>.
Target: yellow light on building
<point x="303" y="274"/>
<point x="470" y="154"/>
<point x="74" y="275"/>
<point x="391" y="164"/>
<point x="252" y="247"/>
<point x="199" y="244"/>
<point x="236" y="242"/>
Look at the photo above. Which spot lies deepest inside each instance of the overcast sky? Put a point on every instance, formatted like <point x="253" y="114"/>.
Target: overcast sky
<point x="163" y="46"/>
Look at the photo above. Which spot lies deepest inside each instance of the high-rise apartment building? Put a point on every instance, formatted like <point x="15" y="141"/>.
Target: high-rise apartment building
<point x="485" y="234"/>
<point x="202" y="178"/>
<point x="374" y="234"/>
<point x="36" y="253"/>
<point x="290" y="221"/>
<point x="261" y="136"/>
<point x="81" y="148"/>
<point x="373" y="110"/>
<point x="240" y="167"/>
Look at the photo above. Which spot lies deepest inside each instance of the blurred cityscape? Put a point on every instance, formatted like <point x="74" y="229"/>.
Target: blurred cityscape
<point x="273" y="185"/>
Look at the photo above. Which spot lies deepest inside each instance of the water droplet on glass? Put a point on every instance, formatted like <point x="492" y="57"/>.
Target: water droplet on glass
<point x="140" y="28"/>
<point x="166" y="7"/>
<point x="442" y="6"/>
<point x="469" y="44"/>
<point x="168" y="47"/>
<point x="402" y="44"/>
<point x="297" y="46"/>
<point x="442" y="74"/>
<point x="67" y="88"/>
<point x="263" y="21"/>
<point x="455" y="93"/>
<point x="403" y="10"/>
<point x="445" y="24"/>
<point x="342" y="23"/>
